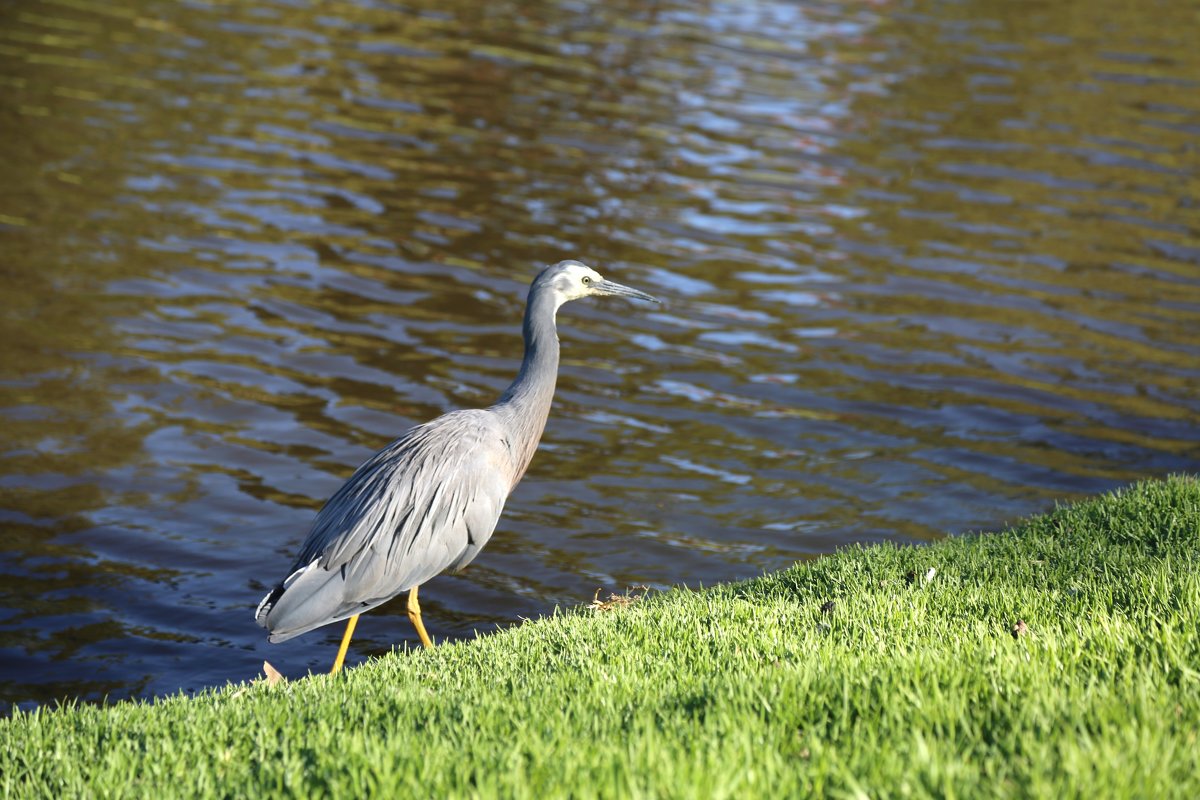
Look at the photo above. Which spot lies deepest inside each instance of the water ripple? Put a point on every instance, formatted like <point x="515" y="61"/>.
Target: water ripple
<point x="928" y="268"/>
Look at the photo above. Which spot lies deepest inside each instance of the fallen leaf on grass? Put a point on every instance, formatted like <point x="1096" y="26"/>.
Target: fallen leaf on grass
<point x="274" y="676"/>
<point x="618" y="600"/>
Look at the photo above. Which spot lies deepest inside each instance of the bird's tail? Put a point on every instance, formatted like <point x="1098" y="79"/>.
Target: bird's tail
<point x="307" y="599"/>
<point x="264" y="607"/>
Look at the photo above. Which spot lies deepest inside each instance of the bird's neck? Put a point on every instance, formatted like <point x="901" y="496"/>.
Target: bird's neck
<point x="526" y="403"/>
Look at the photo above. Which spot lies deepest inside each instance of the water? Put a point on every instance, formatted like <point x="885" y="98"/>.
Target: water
<point x="930" y="266"/>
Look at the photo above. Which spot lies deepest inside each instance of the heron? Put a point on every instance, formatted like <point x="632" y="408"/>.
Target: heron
<point x="429" y="501"/>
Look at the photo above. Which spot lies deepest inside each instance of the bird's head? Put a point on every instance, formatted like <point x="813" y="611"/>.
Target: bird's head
<point x="571" y="280"/>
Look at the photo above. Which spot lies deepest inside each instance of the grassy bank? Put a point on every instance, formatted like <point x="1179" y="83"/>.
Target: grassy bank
<point x="886" y="671"/>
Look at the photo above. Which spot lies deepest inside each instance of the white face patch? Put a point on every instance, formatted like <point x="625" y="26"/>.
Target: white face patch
<point x="576" y="280"/>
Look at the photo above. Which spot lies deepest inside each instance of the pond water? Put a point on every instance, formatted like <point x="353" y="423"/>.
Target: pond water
<point x="929" y="267"/>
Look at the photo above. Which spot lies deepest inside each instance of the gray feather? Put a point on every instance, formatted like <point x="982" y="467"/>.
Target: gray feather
<point x="430" y="500"/>
<point x="426" y="503"/>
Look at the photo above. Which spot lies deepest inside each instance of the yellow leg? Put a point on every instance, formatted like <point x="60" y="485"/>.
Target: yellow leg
<point x="414" y="615"/>
<point x="341" y="656"/>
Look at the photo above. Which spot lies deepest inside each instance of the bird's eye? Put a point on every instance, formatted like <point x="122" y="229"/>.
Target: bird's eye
<point x="586" y="280"/>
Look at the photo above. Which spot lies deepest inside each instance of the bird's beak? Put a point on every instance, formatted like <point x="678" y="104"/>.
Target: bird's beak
<point x="607" y="287"/>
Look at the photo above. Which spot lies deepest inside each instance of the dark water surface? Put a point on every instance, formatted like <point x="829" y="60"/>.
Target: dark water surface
<point x="929" y="267"/>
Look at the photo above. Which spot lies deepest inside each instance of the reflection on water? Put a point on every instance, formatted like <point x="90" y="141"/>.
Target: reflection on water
<point x="930" y="266"/>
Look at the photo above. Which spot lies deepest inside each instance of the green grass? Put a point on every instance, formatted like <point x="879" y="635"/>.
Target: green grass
<point x="905" y="687"/>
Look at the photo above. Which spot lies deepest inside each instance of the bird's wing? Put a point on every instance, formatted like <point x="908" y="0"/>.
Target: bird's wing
<point x="428" y="501"/>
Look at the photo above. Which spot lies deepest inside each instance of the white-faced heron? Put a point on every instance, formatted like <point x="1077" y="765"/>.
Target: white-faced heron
<point x="429" y="501"/>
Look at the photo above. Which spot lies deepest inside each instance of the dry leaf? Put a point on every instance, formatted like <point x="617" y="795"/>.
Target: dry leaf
<point x="618" y="600"/>
<point x="274" y="676"/>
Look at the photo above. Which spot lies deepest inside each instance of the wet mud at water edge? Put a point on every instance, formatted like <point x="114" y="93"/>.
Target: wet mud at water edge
<point x="929" y="267"/>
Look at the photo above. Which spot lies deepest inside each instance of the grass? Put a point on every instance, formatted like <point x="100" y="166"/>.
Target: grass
<point x="850" y="675"/>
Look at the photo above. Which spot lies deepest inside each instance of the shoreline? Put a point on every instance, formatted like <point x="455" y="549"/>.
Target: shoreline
<point x="1058" y="657"/>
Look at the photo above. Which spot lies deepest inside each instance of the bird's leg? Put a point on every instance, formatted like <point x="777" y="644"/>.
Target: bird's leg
<point x="414" y="614"/>
<point x="341" y="656"/>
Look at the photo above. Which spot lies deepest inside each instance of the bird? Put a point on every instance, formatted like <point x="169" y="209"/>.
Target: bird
<point x="429" y="501"/>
